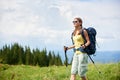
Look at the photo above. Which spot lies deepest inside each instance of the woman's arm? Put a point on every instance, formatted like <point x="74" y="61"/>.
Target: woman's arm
<point x="87" y="39"/>
<point x="70" y="47"/>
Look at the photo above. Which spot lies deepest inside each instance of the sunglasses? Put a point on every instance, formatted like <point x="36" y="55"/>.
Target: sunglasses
<point x="75" y="21"/>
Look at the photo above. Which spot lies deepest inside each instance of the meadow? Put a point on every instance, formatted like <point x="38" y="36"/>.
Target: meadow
<point x="110" y="71"/>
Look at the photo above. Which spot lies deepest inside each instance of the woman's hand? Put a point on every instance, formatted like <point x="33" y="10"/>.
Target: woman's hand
<point x="65" y="48"/>
<point x="83" y="46"/>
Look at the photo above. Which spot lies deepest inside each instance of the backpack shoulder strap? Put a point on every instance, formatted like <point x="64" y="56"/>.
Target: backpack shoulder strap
<point x="72" y="40"/>
<point x="72" y="37"/>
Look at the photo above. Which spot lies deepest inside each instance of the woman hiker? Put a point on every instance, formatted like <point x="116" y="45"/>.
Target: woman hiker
<point x="80" y="58"/>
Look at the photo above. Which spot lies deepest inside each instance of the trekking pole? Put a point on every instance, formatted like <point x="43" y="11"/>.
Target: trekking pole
<point x="94" y="64"/>
<point x="66" y="59"/>
<point x="96" y="68"/>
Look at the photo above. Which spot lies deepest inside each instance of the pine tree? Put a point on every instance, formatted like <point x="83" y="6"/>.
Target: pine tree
<point x="16" y="54"/>
<point x="50" y="58"/>
<point x="59" y="61"/>
<point x="27" y="55"/>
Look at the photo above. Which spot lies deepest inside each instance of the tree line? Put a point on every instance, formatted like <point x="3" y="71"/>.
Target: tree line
<point x="16" y="54"/>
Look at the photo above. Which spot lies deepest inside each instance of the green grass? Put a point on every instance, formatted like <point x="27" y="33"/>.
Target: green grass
<point x="24" y="72"/>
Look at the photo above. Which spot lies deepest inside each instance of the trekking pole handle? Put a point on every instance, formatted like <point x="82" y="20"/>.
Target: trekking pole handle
<point x="65" y="49"/>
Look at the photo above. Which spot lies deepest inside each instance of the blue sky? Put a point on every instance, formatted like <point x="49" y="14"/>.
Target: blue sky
<point x="48" y="23"/>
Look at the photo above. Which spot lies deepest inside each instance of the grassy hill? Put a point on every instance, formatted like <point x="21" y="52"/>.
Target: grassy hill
<point x="109" y="71"/>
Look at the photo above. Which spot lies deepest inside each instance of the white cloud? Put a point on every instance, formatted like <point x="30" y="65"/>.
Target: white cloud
<point x="50" y="22"/>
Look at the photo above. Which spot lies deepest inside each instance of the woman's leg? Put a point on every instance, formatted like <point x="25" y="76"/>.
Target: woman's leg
<point x="82" y="67"/>
<point x="74" y="68"/>
<point x="73" y="77"/>
<point x="84" y="78"/>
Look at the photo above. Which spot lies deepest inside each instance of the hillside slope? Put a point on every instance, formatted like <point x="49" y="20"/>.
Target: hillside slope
<point x="109" y="71"/>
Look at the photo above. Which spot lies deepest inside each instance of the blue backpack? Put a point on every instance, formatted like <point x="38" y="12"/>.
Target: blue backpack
<point x="91" y="49"/>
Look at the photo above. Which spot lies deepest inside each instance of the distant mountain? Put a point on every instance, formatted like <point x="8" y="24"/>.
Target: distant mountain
<point x="107" y="56"/>
<point x="100" y="56"/>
